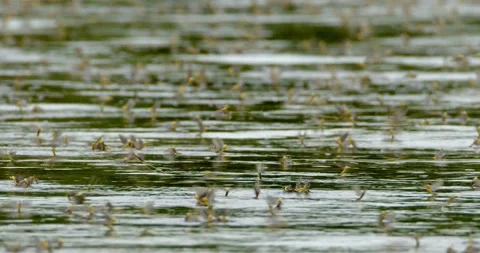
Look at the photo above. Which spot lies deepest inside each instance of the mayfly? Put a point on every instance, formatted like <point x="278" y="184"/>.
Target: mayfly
<point x="218" y="146"/>
<point x="131" y="142"/>
<point x="128" y="106"/>
<point x="432" y="189"/>
<point x="256" y="189"/>
<point x="285" y="162"/>
<point x="302" y="187"/>
<point x="439" y="156"/>
<point x="274" y="205"/>
<point x="10" y="155"/>
<point x="173" y="126"/>
<point x="358" y="191"/>
<point x="154" y="109"/>
<point x="77" y="197"/>
<point x="38" y="140"/>
<point x="99" y="145"/>
<point x="224" y="112"/>
<point x="345" y="169"/>
<point x="475" y="183"/>
<point x="260" y="169"/>
<point x="201" y="127"/>
<point x="386" y="221"/>
<point x="204" y="196"/>
<point x="171" y="153"/>
<point x="59" y="138"/>
<point x="301" y="138"/>
<point x="147" y="208"/>
<point x="343" y="141"/>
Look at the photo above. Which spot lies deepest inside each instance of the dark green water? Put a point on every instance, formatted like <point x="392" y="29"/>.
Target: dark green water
<point x="273" y="79"/>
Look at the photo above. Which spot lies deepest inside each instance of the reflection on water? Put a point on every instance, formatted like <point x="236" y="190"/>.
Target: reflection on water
<point x="356" y="111"/>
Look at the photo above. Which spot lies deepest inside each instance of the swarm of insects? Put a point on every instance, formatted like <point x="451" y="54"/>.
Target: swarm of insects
<point x="48" y="245"/>
<point x="206" y="216"/>
<point x="300" y="187"/>
<point x="15" y="247"/>
<point x="24" y="182"/>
